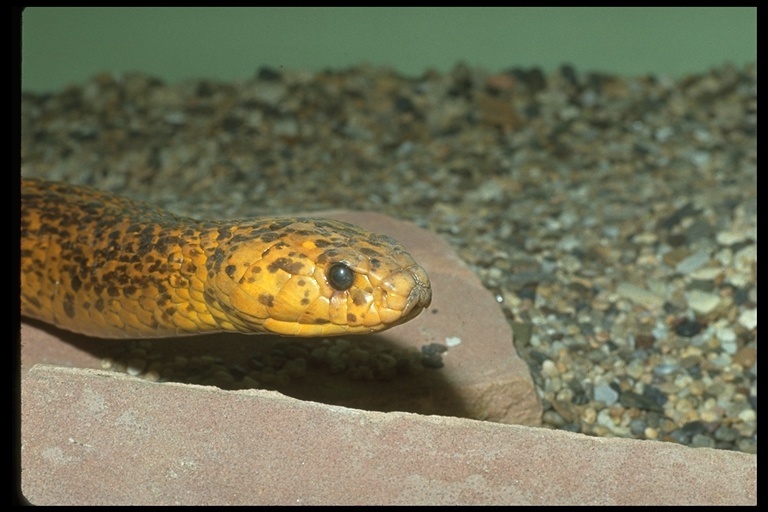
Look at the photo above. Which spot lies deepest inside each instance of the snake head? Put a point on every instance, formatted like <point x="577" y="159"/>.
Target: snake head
<point x="315" y="277"/>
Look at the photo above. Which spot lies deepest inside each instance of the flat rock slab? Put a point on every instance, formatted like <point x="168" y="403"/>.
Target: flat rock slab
<point x="107" y="438"/>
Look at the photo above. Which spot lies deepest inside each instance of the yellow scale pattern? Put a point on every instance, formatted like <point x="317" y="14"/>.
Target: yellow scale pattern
<point x="107" y="266"/>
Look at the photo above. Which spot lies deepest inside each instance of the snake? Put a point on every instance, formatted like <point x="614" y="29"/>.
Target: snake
<point x="106" y="266"/>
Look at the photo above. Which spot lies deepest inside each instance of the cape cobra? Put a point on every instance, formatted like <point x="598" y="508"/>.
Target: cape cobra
<point x="106" y="266"/>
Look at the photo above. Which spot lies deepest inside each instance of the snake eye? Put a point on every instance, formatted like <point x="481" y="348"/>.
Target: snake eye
<point x="340" y="277"/>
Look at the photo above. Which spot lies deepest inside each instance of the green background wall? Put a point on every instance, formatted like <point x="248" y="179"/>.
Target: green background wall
<point x="68" y="45"/>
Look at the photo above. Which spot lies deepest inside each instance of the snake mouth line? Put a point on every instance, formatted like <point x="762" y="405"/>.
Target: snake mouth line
<point x="418" y="300"/>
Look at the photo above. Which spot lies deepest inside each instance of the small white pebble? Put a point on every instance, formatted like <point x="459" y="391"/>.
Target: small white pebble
<point x="747" y="415"/>
<point x="549" y="369"/>
<point x="702" y="302"/>
<point x="452" y="341"/>
<point x="748" y="318"/>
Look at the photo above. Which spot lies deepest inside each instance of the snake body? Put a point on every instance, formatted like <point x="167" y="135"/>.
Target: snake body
<point x="107" y="266"/>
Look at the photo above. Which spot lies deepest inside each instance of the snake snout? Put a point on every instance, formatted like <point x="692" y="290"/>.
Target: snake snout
<point x="420" y="296"/>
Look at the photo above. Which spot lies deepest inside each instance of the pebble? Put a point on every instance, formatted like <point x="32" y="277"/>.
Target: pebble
<point x="651" y="433"/>
<point x="702" y="302"/>
<point x="693" y="262"/>
<point x="745" y="357"/>
<point x="748" y="318"/>
<point x="614" y="218"/>
<point x="639" y="295"/>
<point x="748" y="415"/>
<point x="688" y="328"/>
<point x="606" y="394"/>
<point x="702" y="441"/>
<point x="135" y="366"/>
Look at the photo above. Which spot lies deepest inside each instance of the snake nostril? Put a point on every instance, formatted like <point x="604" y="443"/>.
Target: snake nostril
<point x="340" y="276"/>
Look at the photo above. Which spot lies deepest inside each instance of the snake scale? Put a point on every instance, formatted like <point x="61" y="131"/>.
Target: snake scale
<point x="106" y="266"/>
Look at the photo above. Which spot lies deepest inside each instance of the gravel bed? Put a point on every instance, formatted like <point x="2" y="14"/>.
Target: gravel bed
<point x="614" y="218"/>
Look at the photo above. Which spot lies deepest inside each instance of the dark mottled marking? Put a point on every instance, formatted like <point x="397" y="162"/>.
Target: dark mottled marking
<point x="382" y="240"/>
<point x="237" y="239"/>
<point x="219" y="255"/>
<point x="322" y="321"/>
<point x="69" y="305"/>
<point x="269" y="237"/>
<point x="351" y="318"/>
<point x="230" y="270"/>
<point x="267" y="299"/>
<point x="286" y="264"/>
<point x="358" y="299"/>
<point x="224" y="233"/>
<point x="146" y="241"/>
<point x="277" y="226"/>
